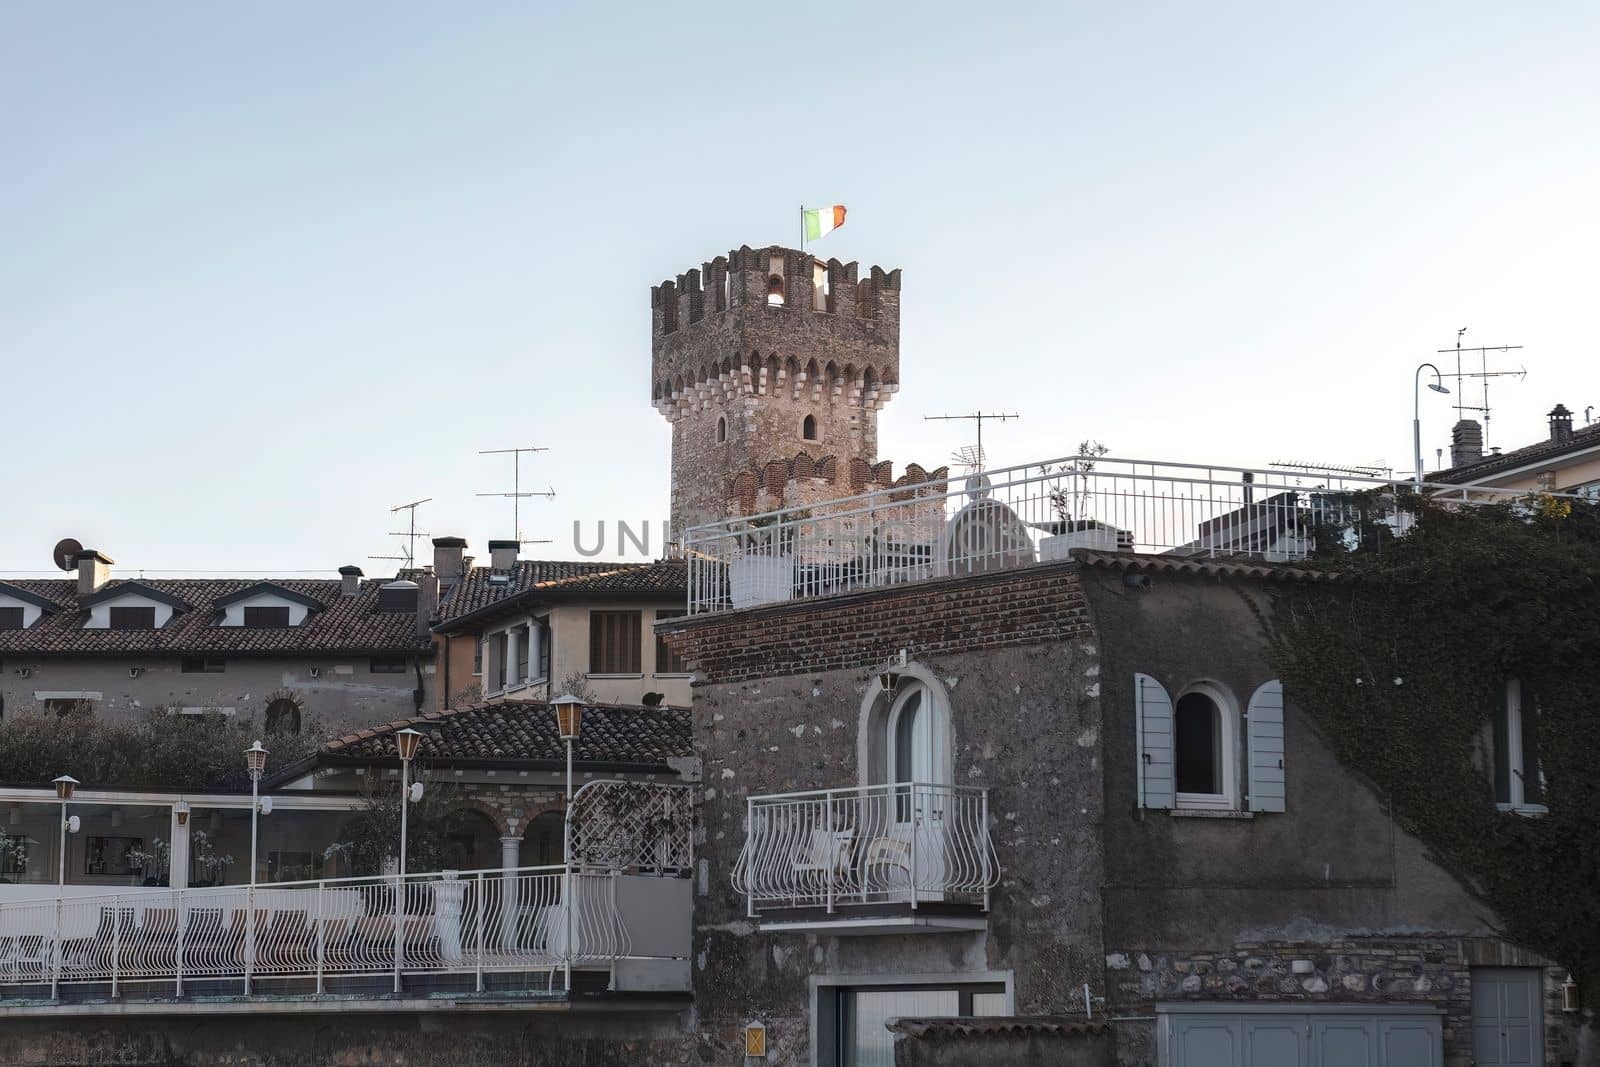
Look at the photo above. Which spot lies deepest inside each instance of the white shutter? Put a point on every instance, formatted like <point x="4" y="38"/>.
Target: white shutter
<point x="1153" y="717"/>
<point x="1266" y="748"/>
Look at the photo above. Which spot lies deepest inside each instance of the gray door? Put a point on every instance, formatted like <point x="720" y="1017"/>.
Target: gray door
<point x="1315" y="1039"/>
<point x="1507" y="1028"/>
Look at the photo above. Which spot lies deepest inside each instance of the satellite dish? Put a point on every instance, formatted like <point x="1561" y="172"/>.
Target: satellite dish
<point x="72" y="824"/>
<point x="978" y="486"/>
<point x="416" y="792"/>
<point x="266" y="805"/>
<point x="66" y="553"/>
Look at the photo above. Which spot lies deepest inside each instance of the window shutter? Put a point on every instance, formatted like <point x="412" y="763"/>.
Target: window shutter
<point x="1266" y="748"/>
<point x="1153" y="715"/>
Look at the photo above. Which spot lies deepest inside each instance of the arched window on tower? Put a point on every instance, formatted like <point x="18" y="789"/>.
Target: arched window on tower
<point x="808" y="428"/>
<point x="722" y="429"/>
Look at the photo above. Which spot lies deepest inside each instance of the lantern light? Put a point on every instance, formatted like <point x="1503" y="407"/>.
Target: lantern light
<point x="569" y="716"/>
<point x="65" y="786"/>
<point x="1569" y="995"/>
<point x="406" y="741"/>
<point x="181" y="810"/>
<point x="255" y="760"/>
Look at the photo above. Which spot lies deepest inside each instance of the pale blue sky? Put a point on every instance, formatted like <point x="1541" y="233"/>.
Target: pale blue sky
<point x="265" y="273"/>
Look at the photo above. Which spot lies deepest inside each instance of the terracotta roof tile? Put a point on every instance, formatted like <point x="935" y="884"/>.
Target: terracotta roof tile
<point x="1585" y="437"/>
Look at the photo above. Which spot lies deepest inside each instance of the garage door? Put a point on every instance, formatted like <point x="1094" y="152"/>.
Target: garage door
<point x="1315" y="1039"/>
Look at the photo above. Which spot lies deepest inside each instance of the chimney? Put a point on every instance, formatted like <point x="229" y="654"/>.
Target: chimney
<point x="400" y="595"/>
<point x="1466" y="443"/>
<point x="94" y="571"/>
<point x="503" y="556"/>
<point x="447" y="557"/>
<point x="350" y="580"/>
<point x="427" y="600"/>
<point x="1560" y="423"/>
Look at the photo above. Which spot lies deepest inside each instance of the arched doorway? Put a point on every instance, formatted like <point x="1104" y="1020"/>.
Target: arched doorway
<point x="472" y="842"/>
<point x="543" y="841"/>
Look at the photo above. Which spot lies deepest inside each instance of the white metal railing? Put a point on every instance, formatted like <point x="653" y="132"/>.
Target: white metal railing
<point x="469" y="922"/>
<point x="911" y="843"/>
<point x="1038" y="512"/>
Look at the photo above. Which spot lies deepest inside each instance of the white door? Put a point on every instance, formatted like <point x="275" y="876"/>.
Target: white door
<point x="920" y="809"/>
<point x="1506" y="1026"/>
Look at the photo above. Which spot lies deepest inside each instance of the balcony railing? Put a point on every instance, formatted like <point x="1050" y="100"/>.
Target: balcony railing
<point x="911" y="844"/>
<point x="467" y="923"/>
<point x="1035" y="513"/>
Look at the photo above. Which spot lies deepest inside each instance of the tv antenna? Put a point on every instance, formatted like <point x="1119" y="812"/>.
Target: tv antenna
<point x="1373" y="471"/>
<point x="517" y="494"/>
<point x="411" y="533"/>
<point x="1483" y="372"/>
<point x="968" y="455"/>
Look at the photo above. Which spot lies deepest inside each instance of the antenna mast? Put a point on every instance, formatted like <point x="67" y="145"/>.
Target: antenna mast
<point x="972" y="457"/>
<point x="1462" y="407"/>
<point x="411" y="533"/>
<point x="516" y="493"/>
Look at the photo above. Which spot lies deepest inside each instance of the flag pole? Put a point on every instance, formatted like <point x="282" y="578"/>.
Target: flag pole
<point x="802" y="227"/>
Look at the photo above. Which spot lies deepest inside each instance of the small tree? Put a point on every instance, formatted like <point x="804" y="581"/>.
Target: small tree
<point x="373" y="832"/>
<point x="577" y="684"/>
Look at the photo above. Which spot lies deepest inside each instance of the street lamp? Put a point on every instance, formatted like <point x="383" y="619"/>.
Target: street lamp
<point x="65" y="785"/>
<point x="569" y="724"/>
<point x="255" y="761"/>
<point x="1438" y="386"/>
<point x="405" y="742"/>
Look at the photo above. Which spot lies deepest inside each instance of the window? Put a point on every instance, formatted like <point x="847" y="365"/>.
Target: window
<point x="722" y="429"/>
<point x="387" y="665"/>
<point x="819" y="287"/>
<point x="287" y="866"/>
<point x="775" y="281"/>
<point x="10" y="618"/>
<point x="851" y="1021"/>
<point x="477" y="657"/>
<point x="1203" y="762"/>
<point x="614" y="642"/>
<point x="808" y="428"/>
<point x="132" y="618"/>
<point x="266" y="615"/>
<point x="544" y="648"/>
<point x="524" y="637"/>
<point x="283" y="717"/>
<point x="667" y="661"/>
<point x="1518" y="779"/>
<point x="61" y="707"/>
<point x="201" y="664"/>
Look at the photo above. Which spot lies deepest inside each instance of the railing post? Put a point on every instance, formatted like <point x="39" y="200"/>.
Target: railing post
<point x="749" y="857"/>
<point x="983" y="844"/>
<point x="830" y="845"/>
<point x="250" y="931"/>
<point x="322" y="933"/>
<point x="399" y="922"/>
<point x="483" y="912"/>
<point x="916" y="824"/>
<point x="55" y="953"/>
<point x="183" y="927"/>
<point x="116" y="944"/>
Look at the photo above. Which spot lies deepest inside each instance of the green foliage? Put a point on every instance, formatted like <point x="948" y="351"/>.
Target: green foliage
<point x="162" y="751"/>
<point x="373" y="831"/>
<point x="1464" y="601"/>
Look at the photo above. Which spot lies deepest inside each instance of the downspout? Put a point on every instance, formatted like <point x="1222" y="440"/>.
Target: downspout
<point x="419" y="695"/>
<point x="444" y="694"/>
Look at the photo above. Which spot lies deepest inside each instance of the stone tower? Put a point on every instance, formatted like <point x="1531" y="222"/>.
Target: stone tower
<point x="771" y="366"/>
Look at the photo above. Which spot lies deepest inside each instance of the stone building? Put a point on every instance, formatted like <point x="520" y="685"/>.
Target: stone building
<point x="344" y="652"/>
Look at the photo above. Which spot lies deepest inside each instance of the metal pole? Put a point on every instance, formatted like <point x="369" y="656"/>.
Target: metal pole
<point x="61" y="884"/>
<point x="400" y="878"/>
<point x="250" y="916"/>
<point x="182" y="909"/>
<point x="566" y="853"/>
<point x="322" y="933"/>
<point x="483" y="912"/>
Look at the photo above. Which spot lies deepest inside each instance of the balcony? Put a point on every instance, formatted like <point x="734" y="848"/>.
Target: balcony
<point x="1040" y="513"/>
<point x="470" y="933"/>
<point x="876" y="859"/>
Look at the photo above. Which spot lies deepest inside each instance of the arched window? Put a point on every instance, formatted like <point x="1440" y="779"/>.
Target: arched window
<point x="1204" y="738"/>
<point x="722" y="429"/>
<point x="283" y="716"/>
<point x="544" y="840"/>
<point x="808" y="428"/>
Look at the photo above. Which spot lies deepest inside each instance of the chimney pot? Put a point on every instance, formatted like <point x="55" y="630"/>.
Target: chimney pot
<point x="1560" y="423"/>
<point x="350" y="580"/>
<point x="503" y="556"/>
<point x="1466" y="443"/>
<point x="447" y="557"/>
<point x="94" y="571"/>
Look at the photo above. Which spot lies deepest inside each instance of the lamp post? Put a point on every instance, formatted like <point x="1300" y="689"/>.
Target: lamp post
<point x="406" y="742"/>
<point x="1438" y="386"/>
<point x="65" y="786"/>
<point x="255" y="761"/>
<point x="569" y="723"/>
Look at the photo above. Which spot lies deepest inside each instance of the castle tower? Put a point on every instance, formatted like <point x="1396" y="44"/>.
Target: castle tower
<point x="771" y="366"/>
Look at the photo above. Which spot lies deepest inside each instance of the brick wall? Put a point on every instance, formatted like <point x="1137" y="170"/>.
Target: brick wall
<point x="1022" y="607"/>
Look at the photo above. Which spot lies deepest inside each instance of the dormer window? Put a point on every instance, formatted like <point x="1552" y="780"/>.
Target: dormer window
<point x="265" y="605"/>
<point x="11" y="618"/>
<point x="20" y="609"/>
<point x="265" y="615"/>
<point x="131" y="617"/>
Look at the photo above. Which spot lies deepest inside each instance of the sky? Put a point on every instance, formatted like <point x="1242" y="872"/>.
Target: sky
<point x="268" y="270"/>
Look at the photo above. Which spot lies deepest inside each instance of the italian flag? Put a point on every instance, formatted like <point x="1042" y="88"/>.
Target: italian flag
<point x="823" y="220"/>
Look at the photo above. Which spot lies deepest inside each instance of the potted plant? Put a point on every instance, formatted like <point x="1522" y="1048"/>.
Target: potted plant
<point x="204" y="859"/>
<point x="1072" y="527"/>
<point x="154" y="863"/>
<point x="763" y="570"/>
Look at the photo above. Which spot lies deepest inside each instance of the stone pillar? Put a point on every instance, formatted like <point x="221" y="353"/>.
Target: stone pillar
<point x="511" y="658"/>
<point x="510" y="888"/>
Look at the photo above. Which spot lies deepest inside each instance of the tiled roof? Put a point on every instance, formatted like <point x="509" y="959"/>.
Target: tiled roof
<point x="526" y="730"/>
<point x="540" y="580"/>
<point x="475" y="589"/>
<point x="1488" y="466"/>
<point x="343" y="625"/>
<point x="1140" y="563"/>
<point x="996" y="1027"/>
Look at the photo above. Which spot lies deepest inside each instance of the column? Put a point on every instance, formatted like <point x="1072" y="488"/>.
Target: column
<point x="178" y="872"/>
<point x="511" y="658"/>
<point x="510" y="889"/>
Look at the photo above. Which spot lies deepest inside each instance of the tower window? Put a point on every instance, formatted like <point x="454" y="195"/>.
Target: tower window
<point x="722" y="429"/>
<point x="808" y="428"/>
<point x="775" y="281"/>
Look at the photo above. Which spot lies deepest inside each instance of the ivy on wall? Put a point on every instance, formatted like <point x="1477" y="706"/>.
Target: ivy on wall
<point x="1401" y="664"/>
